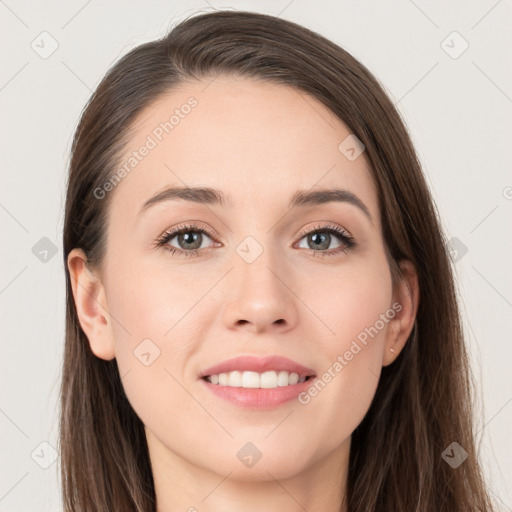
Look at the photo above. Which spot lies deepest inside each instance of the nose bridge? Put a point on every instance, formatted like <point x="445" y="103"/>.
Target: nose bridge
<point x="257" y="267"/>
<point x="258" y="292"/>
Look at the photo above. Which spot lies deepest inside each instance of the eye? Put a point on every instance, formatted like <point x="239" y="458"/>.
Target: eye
<point x="186" y="240"/>
<point x="189" y="240"/>
<point x="320" y="238"/>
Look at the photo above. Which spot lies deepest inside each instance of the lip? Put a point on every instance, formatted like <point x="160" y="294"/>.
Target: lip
<point x="260" y="365"/>
<point x="258" y="398"/>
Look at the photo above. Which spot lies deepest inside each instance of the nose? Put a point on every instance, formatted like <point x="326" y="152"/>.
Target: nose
<point x="260" y="297"/>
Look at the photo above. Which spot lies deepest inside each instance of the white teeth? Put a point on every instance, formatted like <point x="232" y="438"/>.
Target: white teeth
<point x="294" y="378"/>
<point x="268" y="380"/>
<point x="249" y="380"/>
<point x="283" y="379"/>
<point x="235" y="379"/>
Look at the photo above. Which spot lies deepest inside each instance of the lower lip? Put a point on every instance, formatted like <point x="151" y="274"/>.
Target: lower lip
<point x="258" y="398"/>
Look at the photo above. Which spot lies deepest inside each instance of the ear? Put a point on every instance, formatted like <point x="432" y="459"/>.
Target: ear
<point x="91" y="305"/>
<point x="405" y="305"/>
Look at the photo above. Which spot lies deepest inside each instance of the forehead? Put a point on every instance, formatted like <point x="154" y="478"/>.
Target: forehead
<point x="257" y="142"/>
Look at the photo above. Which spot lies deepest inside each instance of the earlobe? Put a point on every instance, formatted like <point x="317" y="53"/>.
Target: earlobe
<point x="408" y="296"/>
<point x="91" y="305"/>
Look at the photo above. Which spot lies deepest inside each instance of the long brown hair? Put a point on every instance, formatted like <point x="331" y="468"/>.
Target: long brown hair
<point x="423" y="401"/>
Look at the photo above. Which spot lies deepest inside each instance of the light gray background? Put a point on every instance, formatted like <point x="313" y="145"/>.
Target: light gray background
<point x="458" y="111"/>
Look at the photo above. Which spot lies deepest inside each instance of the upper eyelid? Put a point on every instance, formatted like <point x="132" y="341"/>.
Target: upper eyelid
<point x="320" y="225"/>
<point x="187" y="227"/>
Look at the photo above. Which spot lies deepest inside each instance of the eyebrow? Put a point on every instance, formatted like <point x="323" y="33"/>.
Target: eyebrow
<point x="301" y="198"/>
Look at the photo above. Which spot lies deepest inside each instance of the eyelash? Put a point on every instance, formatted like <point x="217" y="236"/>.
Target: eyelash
<point x="345" y="238"/>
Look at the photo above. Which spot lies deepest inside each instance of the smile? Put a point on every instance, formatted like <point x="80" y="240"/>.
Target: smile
<point x="248" y="379"/>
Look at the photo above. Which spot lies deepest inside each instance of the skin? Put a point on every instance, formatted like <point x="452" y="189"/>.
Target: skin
<point x="258" y="143"/>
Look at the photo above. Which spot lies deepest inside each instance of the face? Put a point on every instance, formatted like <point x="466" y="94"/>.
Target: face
<point x="248" y="276"/>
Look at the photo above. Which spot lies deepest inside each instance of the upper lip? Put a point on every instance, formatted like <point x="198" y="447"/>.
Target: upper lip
<point x="258" y="364"/>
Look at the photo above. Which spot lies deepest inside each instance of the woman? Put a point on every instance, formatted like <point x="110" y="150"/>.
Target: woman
<point x="305" y="351"/>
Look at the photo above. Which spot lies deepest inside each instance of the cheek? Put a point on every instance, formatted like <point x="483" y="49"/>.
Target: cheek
<point x="151" y="300"/>
<point x="158" y="313"/>
<point x="153" y="327"/>
<point x="154" y="337"/>
<point x="351" y="304"/>
<point x="357" y="309"/>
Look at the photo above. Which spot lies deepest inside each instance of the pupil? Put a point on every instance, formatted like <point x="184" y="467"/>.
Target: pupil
<point x="189" y="238"/>
<point x="321" y="240"/>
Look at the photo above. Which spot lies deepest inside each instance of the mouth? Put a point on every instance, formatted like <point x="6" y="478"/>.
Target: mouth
<point x="254" y="380"/>
<point x="249" y="371"/>
<point x="257" y="382"/>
